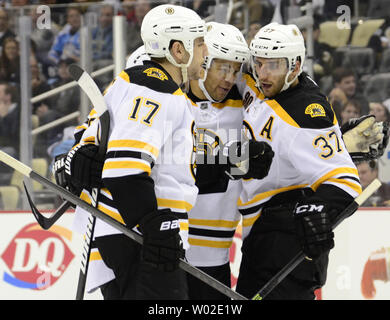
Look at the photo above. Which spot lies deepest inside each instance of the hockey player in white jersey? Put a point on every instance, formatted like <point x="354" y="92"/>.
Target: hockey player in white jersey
<point x="146" y="180"/>
<point x="218" y="111"/>
<point x="312" y="177"/>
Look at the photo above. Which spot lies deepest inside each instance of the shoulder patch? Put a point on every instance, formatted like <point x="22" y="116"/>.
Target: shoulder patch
<point x="156" y="73"/>
<point x="315" y="110"/>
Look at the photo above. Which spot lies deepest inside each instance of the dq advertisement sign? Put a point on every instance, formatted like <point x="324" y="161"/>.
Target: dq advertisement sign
<point x="45" y="264"/>
<point x="37" y="263"/>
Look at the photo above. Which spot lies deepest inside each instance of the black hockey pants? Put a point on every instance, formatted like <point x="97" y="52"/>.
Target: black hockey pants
<point x="270" y="245"/>
<point x="198" y="290"/>
<point x="135" y="279"/>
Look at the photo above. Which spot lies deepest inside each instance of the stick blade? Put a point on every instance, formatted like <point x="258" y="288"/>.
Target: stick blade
<point x="75" y="71"/>
<point x="40" y="219"/>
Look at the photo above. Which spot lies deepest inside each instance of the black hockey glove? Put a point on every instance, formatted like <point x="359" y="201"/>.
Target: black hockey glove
<point x="257" y="161"/>
<point x="162" y="246"/>
<point x="313" y="227"/>
<point x="82" y="168"/>
<point x="364" y="138"/>
<point x="260" y="159"/>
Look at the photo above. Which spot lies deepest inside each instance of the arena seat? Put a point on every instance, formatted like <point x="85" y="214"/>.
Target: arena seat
<point x="332" y="35"/>
<point x="377" y="87"/>
<point x="385" y="61"/>
<point x="362" y="60"/>
<point x="364" y="31"/>
<point x="10" y="196"/>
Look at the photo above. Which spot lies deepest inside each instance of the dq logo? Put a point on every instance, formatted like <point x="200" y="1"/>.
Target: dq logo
<point x="37" y="258"/>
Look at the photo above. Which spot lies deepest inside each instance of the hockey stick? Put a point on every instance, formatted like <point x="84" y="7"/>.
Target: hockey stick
<point x="294" y="262"/>
<point x="28" y="172"/>
<point x="43" y="221"/>
<point x="90" y="88"/>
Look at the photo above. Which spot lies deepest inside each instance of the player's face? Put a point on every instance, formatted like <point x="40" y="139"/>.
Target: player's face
<point x="271" y="74"/>
<point x="199" y="54"/>
<point x="221" y="77"/>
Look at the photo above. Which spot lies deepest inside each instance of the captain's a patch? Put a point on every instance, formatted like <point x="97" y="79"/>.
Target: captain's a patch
<point x="315" y="110"/>
<point x="156" y="73"/>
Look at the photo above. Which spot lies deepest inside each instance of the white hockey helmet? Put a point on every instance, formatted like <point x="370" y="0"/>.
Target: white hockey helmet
<point x="137" y="57"/>
<point x="165" y="23"/>
<point x="225" y="42"/>
<point x="279" y="41"/>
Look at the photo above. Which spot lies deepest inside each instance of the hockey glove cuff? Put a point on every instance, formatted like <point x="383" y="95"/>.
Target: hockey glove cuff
<point x="162" y="245"/>
<point x="84" y="166"/>
<point x="313" y="227"/>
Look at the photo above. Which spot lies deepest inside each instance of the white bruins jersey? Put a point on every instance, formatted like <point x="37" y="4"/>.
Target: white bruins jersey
<point x="309" y="150"/>
<point x="214" y="218"/>
<point x="150" y="132"/>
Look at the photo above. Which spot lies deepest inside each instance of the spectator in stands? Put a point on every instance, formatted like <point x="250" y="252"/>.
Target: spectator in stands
<point x="5" y="32"/>
<point x="252" y="30"/>
<point x="345" y="80"/>
<point x="9" y="119"/>
<point x="43" y="110"/>
<point x="380" y="112"/>
<point x="368" y="171"/>
<point x="202" y="7"/>
<point x="323" y="60"/>
<point x="102" y="36"/>
<point x="67" y="43"/>
<point x="141" y="8"/>
<point x="351" y="109"/>
<point x="10" y="61"/>
<point x="66" y="101"/>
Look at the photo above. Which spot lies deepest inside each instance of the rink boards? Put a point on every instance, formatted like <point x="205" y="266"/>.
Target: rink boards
<point x="39" y="264"/>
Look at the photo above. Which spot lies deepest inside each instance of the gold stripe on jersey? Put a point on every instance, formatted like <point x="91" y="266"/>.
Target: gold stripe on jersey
<point x="251" y="83"/>
<point x="174" y="204"/>
<point x="248" y="222"/>
<point x="90" y="139"/>
<point x="124" y="76"/>
<point x="179" y="92"/>
<point x="136" y="144"/>
<point x="112" y="213"/>
<point x="103" y="207"/>
<point x="209" y="243"/>
<point x="333" y="173"/>
<point x="348" y="183"/>
<point x="214" y="223"/>
<point x="261" y="196"/>
<point x="95" y="256"/>
<point x="127" y="165"/>
<point x="228" y="103"/>
<point x="81" y="127"/>
<point x="278" y="109"/>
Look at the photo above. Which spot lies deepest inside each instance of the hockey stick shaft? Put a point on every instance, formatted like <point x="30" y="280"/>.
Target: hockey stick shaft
<point x="294" y="262"/>
<point x="90" y="88"/>
<point x="28" y="172"/>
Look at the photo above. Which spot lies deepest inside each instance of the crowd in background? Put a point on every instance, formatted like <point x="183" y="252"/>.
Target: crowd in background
<point x="54" y="49"/>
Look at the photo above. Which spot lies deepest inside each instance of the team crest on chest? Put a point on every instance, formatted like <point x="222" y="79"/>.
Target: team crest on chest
<point x="315" y="110"/>
<point x="156" y="73"/>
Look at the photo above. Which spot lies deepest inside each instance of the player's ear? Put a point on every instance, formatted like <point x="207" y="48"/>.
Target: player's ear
<point x="178" y="52"/>
<point x="296" y="70"/>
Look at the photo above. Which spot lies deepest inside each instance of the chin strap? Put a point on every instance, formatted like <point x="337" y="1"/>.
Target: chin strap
<point x="204" y="90"/>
